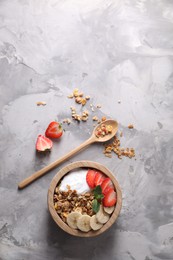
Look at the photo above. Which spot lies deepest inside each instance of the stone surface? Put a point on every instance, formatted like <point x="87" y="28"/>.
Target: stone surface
<point x="113" y="51"/>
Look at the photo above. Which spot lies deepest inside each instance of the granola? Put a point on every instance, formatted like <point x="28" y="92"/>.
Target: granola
<point x="103" y="130"/>
<point x="69" y="201"/>
<point x="130" y="126"/>
<point x="41" y="103"/>
<point x="115" y="147"/>
<point x="79" y="97"/>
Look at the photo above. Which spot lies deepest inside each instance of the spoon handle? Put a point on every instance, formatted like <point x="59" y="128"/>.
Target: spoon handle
<point x="49" y="167"/>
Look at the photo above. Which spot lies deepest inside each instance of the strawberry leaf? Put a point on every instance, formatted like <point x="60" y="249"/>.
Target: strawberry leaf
<point x="98" y="193"/>
<point x="99" y="197"/>
<point x="95" y="206"/>
<point x="97" y="190"/>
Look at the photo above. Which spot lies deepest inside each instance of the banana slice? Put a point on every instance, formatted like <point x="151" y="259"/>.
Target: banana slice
<point x="72" y="219"/>
<point x="78" y="209"/>
<point x="109" y="210"/>
<point x="83" y="223"/>
<point x="102" y="216"/>
<point x="95" y="225"/>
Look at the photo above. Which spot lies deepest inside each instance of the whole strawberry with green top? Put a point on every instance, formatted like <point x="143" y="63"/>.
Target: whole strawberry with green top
<point x="54" y="130"/>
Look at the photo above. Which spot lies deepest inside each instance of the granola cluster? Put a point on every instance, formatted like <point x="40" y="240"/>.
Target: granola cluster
<point x="115" y="147"/>
<point x="103" y="130"/>
<point x="69" y="201"/>
<point x="130" y="126"/>
<point x="41" y="103"/>
<point x="79" y="97"/>
<point x="78" y="117"/>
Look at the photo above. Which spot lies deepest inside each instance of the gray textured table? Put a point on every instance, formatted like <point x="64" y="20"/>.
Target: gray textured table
<point x="113" y="51"/>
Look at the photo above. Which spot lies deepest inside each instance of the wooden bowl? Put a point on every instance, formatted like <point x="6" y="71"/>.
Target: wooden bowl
<point x="56" y="180"/>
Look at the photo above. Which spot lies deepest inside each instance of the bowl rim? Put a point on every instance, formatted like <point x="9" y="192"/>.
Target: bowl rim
<point x="59" y="175"/>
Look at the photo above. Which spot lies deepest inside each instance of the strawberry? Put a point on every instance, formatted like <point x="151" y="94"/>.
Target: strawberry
<point x="90" y="178"/>
<point x="110" y="198"/>
<point x="99" y="178"/>
<point x="54" y="130"/>
<point x="43" y="143"/>
<point x="106" y="185"/>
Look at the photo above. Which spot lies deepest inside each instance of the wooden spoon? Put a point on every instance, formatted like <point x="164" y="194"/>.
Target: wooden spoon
<point x="91" y="140"/>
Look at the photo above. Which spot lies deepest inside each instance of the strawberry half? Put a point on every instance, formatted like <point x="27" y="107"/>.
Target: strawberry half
<point x="110" y="198"/>
<point x="99" y="178"/>
<point x="54" y="130"/>
<point x="43" y="143"/>
<point x="90" y="178"/>
<point x="106" y="185"/>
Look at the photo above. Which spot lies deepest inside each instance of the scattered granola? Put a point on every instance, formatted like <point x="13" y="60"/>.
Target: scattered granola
<point x="80" y="100"/>
<point x="115" y="147"/>
<point x="76" y="92"/>
<point x="130" y="126"/>
<point x="67" y="120"/>
<point x="74" y="115"/>
<point x="78" y="117"/>
<point x="83" y="101"/>
<point x="95" y="118"/>
<point x="70" y="96"/>
<point x="91" y="106"/>
<point x="103" y="119"/>
<point x="85" y="115"/>
<point x="102" y="131"/>
<point x="108" y="155"/>
<point x="41" y="103"/>
<point x="79" y="97"/>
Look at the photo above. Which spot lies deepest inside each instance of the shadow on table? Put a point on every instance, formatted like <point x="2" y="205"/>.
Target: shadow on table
<point x="71" y="247"/>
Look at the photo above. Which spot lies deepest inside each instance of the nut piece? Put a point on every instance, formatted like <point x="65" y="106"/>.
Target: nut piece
<point x="83" y="101"/>
<point x="67" y="120"/>
<point x="70" y="96"/>
<point x="103" y="119"/>
<point x="41" y="103"/>
<point x="78" y="100"/>
<point x="75" y="92"/>
<point x="95" y="118"/>
<point x="130" y="126"/>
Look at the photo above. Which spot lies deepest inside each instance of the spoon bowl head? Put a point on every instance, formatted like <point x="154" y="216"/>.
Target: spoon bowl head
<point x="110" y="124"/>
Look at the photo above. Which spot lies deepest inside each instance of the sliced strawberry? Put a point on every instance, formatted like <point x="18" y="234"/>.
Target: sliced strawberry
<point x="43" y="143"/>
<point x="54" y="130"/>
<point x="90" y="178"/>
<point x="106" y="185"/>
<point x="110" y="198"/>
<point x="99" y="178"/>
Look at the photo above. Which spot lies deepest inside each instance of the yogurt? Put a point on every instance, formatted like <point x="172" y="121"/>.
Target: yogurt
<point x="76" y="179"/>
